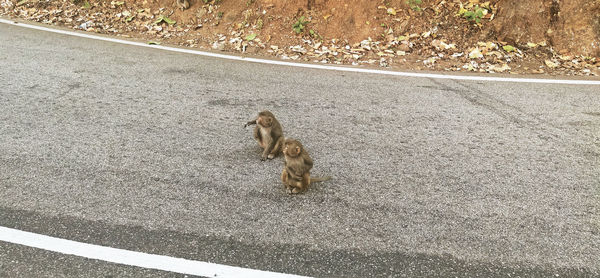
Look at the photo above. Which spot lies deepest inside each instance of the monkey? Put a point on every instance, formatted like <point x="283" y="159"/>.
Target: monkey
<point x="296" y="171"/>
<point x="183" y="4"/>
<point x="268" y="133"/>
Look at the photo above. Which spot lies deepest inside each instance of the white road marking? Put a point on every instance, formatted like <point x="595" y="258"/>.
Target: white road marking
<point x="312" y="66"/>
<point x="133" y="258"/>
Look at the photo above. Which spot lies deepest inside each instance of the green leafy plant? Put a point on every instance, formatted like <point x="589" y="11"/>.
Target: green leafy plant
<point x="474" y="15"/>
<point x="314" y="34"/>
<point x="414" y="4"/>
<point x="299" y="25"/>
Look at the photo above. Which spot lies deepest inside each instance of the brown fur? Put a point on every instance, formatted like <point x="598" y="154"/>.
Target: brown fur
<point x="268" y="133"/>
<point x="296" y="171"/>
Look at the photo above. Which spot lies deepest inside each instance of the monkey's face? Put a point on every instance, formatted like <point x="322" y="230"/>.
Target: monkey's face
<point x="265" y="121"/>
<point x="291" y="149"/>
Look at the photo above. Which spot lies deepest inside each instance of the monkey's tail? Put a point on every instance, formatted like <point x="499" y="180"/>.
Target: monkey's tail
<point x="318" y="179"/>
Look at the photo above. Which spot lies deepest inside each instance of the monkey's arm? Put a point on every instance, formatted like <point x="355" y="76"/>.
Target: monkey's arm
<point x="308" y="161"/>
<point x="253" y="122"/>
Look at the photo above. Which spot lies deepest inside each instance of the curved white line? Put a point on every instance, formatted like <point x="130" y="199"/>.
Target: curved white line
<point x="312" y="66"/>
<point x="133" y="258"/>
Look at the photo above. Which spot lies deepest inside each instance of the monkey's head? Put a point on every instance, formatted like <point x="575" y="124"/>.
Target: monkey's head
<point x="265" y="118"/>
<point x="291" y="147"/>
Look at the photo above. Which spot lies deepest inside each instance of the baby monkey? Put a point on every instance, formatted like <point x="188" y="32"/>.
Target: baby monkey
<point x="296" y="170"/>
<point x="268" y="133"/>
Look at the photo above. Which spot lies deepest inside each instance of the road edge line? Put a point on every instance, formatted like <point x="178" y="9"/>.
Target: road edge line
<point x="133" y="258"/>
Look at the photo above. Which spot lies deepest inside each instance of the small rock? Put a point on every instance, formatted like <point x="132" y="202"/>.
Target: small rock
<point x="404" y="47"/>
<point x="218" y="46"/>
<point x="383" y="63"/>
<point x="498" y="68"/>
<point x="85" y="25"/>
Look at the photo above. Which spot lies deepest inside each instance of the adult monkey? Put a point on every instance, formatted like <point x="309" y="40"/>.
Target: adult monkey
<point x="268" y="133"/>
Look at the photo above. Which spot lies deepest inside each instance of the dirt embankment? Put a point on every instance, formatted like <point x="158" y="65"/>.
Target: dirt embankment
<point x="569" y="26"/>
<point x="536" y="36"/>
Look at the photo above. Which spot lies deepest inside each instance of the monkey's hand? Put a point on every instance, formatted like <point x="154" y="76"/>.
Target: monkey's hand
<point x="263" y="158"/>
<point x="249" y="123"/>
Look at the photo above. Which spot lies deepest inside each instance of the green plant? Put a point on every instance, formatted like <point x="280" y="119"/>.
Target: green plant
<point x="299" y="25"/>
<point x="314" y="34"/>
<point x="414" y="4"/>
<point x="475" y="15"/>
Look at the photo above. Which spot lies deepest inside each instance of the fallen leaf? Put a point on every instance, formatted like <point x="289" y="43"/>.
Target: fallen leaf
<point x="326" y="16"/>
<point x="551" y="64"/>
<point x="153" y="43"/>
<point x="509" y="48"/>
<point x="475" y="53"/>
<point x="391" y="11"/>
<point x="531" y="45"/>
<point x="250" y="37"/>
<point x="165" y="19"/>
<point x="565" y="58"/>
<point x="430" y="61"/>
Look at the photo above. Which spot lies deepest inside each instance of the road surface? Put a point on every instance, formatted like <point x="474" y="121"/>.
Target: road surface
<point x="145" y="150"/>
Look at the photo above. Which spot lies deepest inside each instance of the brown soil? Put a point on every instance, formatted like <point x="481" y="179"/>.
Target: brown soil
<point x="535" y="36"/>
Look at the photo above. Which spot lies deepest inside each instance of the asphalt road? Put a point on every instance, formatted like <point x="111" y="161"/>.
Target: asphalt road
<point x="145" y="150"/>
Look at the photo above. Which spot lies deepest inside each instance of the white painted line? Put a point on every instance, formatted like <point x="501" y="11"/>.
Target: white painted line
<point x="133" y="258"/>
<point x="312" y="66"/>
